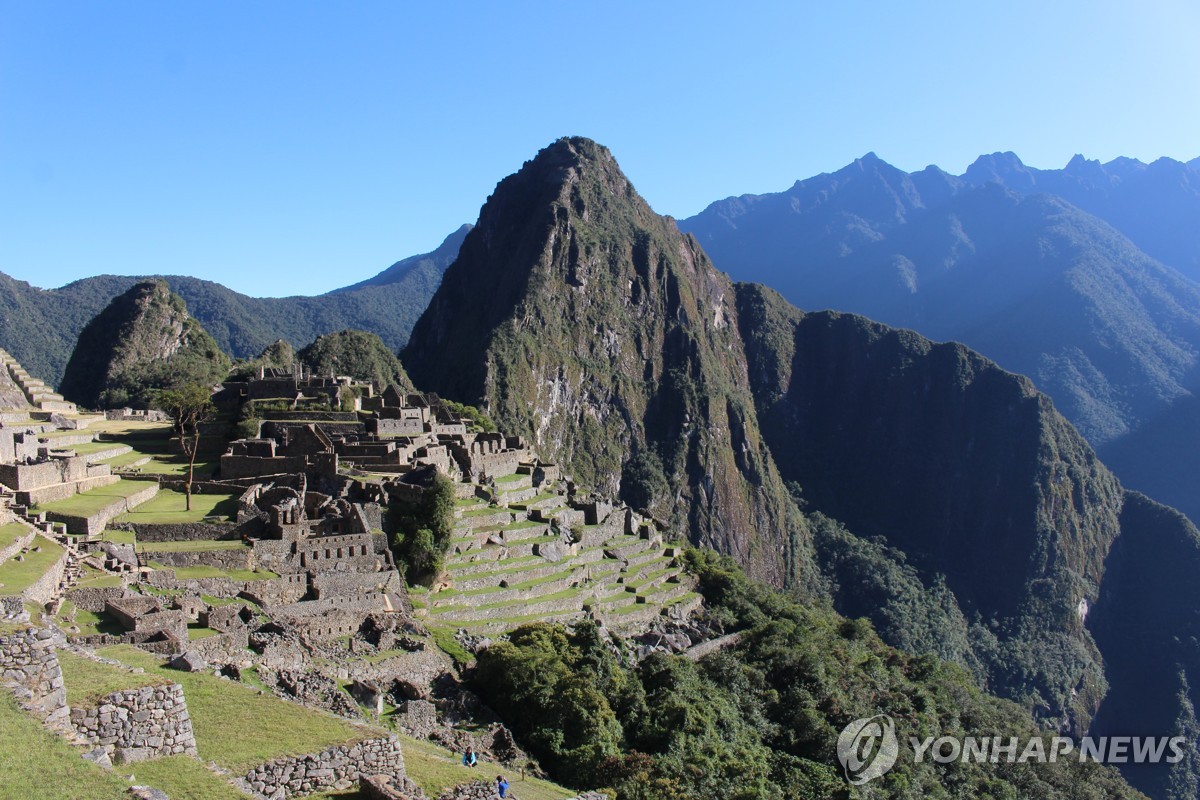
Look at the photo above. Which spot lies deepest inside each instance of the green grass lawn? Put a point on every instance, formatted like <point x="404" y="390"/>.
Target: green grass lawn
<point x="87" y="681"/>
<point x="184" y="778"/>
<point x="88" y="503"/>
<point x="87" y="448"/>
<point x="192" y="546"/>
<point x="170" y="506"/>
<point x="11" y="532"/>
<point x="97" y="579"/>
<point x="238" y="727"/>
<point x="436" y="769"/>
<point x="16" y="576"/>
<point x="116" y="462"/>
<point x="35" y="764"/>
<point x="185" y="573"/>
<point x="93" y="622"/>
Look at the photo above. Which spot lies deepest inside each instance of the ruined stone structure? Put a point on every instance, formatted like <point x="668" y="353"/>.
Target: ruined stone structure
<point x="138" y="724"/>
<point x="336" y="768"/>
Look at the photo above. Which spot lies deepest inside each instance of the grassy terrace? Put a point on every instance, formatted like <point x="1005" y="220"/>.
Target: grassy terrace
<point x="38" y="765"/>
<point x="96" y="579"/>
<point x="240" y="728"/>
<point x="184" y="778"/>
<point x="516" y="476"/>
<point x="87" y="681"/>
<point x="192" y="546"/>
<point x="87" y="448"/>
<point x="91" y="502"/>
<point x="170" y="506"/>
<point x="11" y="532"/>
<point x="152" y="440"/>
<point x="17" y="576"/>
<point x="185" y="573"/>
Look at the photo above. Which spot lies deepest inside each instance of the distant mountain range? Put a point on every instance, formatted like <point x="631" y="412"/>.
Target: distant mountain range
<point x="1083" y="278"/>
<point x="40" y="326"/>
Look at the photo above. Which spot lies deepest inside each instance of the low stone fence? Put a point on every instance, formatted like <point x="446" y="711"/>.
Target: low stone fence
<point x="138" y="724"/>
<point x="338" y="768"/>
<point x="29" y="666"/>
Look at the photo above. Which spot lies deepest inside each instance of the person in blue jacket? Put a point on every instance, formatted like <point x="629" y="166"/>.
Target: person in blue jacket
<point x="501" y="786"/>
<point x="469" y="758"/>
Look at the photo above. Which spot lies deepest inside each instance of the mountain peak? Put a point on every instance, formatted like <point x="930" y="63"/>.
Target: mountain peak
<point x="1003" y="167"/>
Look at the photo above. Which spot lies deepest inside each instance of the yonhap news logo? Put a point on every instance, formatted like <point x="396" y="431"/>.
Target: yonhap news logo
<point x="868" y="748"/>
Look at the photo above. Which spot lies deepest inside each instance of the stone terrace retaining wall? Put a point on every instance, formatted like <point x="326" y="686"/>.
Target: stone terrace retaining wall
<point x="29" y="666"/>
<point x="181" y="531"/>
<point x="42" y="590"/>
<point x="98" y="521"/>
<point x="139" y="724"/>
<point x="338" y="767"/>
<point x="220" y="559"/>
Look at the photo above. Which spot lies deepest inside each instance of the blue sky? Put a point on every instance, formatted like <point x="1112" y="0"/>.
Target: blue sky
<point x="290" y="148"/>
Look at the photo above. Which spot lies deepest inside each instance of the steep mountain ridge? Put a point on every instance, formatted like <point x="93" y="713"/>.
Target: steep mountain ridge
<point x="142" y="341"/>
<point x="577" y="316"/>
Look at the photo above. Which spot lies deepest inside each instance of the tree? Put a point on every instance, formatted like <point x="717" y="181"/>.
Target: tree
<point x="188" y="407"/>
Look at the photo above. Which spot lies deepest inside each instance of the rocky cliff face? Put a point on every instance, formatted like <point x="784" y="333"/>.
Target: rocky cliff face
<point x="143" y="341"/>
<point x="579" y="317"/>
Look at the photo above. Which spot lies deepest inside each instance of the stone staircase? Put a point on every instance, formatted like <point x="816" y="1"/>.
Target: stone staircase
<point x="40" y="395"/>
<point x="520" y="553"/>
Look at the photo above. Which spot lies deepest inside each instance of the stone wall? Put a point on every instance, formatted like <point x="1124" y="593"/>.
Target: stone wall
<point x="43" y="590"/>
<point x="61" y="491"/>
<point x="335" y="584"/>
<point x="94" y="599"/>
<point x="384" y="787"/>
<point x="220" y="559"/>
<point x="338" y="768"/>
<point x="138" y="724"/>
<point x="29" y="667"/>
<point x="182" y="532"/>
<point x="97" y="522"/>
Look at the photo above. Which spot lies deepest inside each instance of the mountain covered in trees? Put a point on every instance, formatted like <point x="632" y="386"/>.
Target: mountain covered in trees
<point x="142" y="342"/>
<point x="917" y="484"/>
<point x="1081" y="278"/>
<point x="40" y="327"/>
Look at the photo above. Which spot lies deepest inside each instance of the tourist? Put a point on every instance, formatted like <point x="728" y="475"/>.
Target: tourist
<point x="501" y="786"/>
<point x="469" y="758"/>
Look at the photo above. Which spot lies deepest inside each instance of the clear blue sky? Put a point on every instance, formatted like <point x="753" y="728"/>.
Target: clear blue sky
<point x="293" y="147"/>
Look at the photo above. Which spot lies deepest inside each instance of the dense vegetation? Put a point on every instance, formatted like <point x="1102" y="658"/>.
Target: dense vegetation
<point x="758" y="720"/>
<point x="40" y="327"/>
<point x="143" y="342"/>
<point x="421" y="529"/>
<point x="358" y="354"/>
